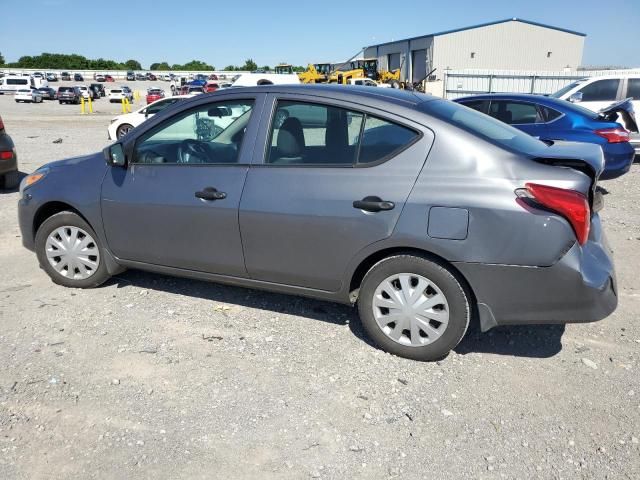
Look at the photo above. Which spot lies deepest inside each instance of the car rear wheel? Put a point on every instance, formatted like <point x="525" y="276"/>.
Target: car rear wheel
<point x="413" y="307"/>
<point x="123" y="130"/>
<point x="70" y="252"/>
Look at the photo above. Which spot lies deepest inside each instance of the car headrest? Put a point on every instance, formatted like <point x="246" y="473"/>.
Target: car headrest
<point x="290" y="138"/>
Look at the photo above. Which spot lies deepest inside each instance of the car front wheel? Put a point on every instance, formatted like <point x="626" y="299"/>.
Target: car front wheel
<point x="414" y="307"/>
<point x="123" y="130"/>
<point x="70" y="252"/>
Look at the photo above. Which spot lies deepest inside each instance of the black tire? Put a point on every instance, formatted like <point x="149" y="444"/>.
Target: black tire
<point x="394" y="84"/>
<point x="10" y="180"/>
<point x="61" y="102"/>
<point x="457" y="299"/>
<point x="69" y="219"/>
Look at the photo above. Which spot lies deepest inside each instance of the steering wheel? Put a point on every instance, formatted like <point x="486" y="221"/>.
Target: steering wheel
<point x="193" y="151"/>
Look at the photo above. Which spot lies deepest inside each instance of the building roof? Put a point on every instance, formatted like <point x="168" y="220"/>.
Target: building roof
<point x="480" y="25"/>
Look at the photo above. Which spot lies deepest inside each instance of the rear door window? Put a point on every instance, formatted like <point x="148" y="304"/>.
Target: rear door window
<point x="600" y="91"/>
<point x="514" y="113"/>
<point x="316" y="134"/>
<point x="383" y="139"/>
<point x="481" y="106"/>
<point x="633" y="89"/>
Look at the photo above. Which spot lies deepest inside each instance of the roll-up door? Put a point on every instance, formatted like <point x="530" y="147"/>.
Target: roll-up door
<point x="418" y="65"/>
<point x="394" y="61"/>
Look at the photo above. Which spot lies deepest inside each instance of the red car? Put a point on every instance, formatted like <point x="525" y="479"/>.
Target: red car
<point x="211" y="87"/>
<point x="108" y="78"/>
<point x="213" y="76"/>
<point x="154" y="94"/>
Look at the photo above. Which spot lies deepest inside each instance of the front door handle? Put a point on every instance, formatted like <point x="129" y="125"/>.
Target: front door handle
<point x="373" y="204"/>
<point x="210" y="193"/>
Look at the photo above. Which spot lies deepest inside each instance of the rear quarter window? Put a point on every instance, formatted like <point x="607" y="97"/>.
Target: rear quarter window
<point x="483" y="126"/>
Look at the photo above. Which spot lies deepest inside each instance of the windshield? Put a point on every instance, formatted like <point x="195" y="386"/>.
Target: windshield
<point x="483" y="126"/>
<point x="564" y="90"/>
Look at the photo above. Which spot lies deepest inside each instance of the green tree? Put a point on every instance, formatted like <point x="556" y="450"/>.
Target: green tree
<point x="230" y="68"/>
<point x="160" y="66"/>
<point x="197" y="65"/>
<point x="1" y="59"/>
<point x="132" y="65"/>
<point x="266" y="68"/>
<point x="250" y="65"/>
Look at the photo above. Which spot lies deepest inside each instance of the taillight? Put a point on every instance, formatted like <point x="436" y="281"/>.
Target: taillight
<point x="1" y="124"/>
<point x="613" y="135"/>
<point x="572" y="205"/>
<point x="7" y="155"/>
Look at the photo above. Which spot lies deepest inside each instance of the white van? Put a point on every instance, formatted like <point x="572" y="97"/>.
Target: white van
<point x="596" y="93"/>
<point x="11" y="83"/>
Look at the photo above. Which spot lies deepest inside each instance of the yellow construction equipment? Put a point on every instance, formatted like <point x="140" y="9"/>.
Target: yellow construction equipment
<point x="316" y="73"/>
<point x="284" y="68"/>
<point x="367" y="68"/>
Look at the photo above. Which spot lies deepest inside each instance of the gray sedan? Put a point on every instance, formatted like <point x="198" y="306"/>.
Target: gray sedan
<point x="425" y="214"/>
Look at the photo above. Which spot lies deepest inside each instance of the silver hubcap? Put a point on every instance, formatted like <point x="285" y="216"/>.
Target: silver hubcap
<point x="123" y="130"/>
<point x="410" y="309"/>
<point x="72" y="252"/>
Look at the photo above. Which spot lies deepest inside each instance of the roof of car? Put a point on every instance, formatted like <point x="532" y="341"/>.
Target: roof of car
<point x="392" y="95"/>
<point x="525" y="97"/>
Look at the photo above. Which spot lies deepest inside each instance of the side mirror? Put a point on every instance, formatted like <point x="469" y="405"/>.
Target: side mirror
<point x="114" y="155"/>
<point x="575" y="97"/>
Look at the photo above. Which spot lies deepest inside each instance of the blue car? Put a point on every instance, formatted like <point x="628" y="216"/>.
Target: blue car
<point x="551" y="119"/>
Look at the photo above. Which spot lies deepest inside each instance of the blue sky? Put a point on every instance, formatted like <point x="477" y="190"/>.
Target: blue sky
<point x="228" y="32"/>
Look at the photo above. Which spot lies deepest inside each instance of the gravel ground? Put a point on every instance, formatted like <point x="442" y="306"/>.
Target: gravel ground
<point x="156" y="377"/>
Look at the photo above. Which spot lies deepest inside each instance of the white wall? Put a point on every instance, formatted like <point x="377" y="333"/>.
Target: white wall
<point x="460" y="83"/>
<point x="510" y="45"/>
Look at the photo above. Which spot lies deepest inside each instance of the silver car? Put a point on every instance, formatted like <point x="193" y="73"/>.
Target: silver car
<point x="425" y="214"/>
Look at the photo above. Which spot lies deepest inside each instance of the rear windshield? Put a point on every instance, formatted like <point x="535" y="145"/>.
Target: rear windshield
<point x="116" y="91"/>
<point x="483" y="126"/>
<point x="17" y="81"/>
<point x="564" y="90"/>
<point x="65" y="89"/>
<point x="155" y="92"/>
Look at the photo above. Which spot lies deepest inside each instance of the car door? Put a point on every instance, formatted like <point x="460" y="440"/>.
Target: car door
<point x="177" y="202"/>
<point x="299" y="223"/>
<point x="524" y="116"/>
<point x="599" y="94"/>
<point x="633" y="91"/>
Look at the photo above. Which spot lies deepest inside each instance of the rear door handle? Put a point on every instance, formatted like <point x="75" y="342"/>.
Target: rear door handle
<point x="210" y="193"/>
<point x="373" y="204"/>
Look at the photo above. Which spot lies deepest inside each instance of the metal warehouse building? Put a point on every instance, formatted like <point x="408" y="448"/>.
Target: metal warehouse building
<point x="513" y="44"/>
